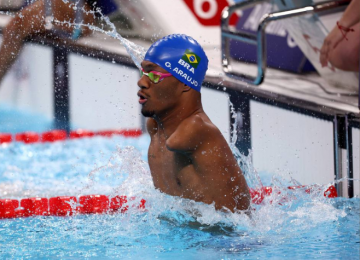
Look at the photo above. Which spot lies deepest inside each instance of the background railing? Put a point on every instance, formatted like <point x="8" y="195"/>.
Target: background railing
<point x="259" y="39"/>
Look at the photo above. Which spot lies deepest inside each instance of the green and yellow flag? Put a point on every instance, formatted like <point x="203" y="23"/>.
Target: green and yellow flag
<point x="191" y="58"/>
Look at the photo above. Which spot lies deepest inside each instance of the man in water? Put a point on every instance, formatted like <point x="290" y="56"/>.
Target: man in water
<point x="188" y="156"/>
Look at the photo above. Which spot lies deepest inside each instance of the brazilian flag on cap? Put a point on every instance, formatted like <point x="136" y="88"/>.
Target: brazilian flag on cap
<point x="191" y="58"/>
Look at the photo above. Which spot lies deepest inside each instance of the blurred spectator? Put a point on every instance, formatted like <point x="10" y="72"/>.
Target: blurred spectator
<point x="30" y="21"/>
<point x="342" y="46"/>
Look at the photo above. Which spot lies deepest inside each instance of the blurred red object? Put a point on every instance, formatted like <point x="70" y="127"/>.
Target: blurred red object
<point x="80" y="133"/>
<point x="94" y="204"/>
<point x="257" y="196"/>
<point x="331" y="192"/>
<point x="126" y="133"/>
<point x="108" y="133"/>
<point x="5" y="138"/>
<point x="131" y="132"/>
<point x="118" y="203"/>
<point x="35" y="206"/>
<point x="53" y="136"/>
<point x="27" y="137"/>
<point x="60" y="206"/>
<point x="7" y="208"/>
<point x="142" y="204"/>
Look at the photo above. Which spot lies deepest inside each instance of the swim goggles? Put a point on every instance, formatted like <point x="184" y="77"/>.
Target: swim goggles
<point x="155" y="76"/>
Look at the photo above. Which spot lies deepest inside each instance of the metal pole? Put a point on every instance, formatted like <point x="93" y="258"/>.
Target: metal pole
<point x="337" y="155"/>
<point x="241" y="105"/>
<point x="61" y="89"/>
<point x="340" y="144"/>
<point x="350" y="166"/>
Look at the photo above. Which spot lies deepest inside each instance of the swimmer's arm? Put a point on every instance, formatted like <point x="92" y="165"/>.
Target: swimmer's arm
<point x="351" y="15"/>
<point x="189" y="135"/>
<point x="151" y="126"/>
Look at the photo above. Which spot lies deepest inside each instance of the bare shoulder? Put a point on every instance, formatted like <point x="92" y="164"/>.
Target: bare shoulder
<point x="191" y="133"/>
<point x="151" y="126"/>
<point x="199" y="124"/>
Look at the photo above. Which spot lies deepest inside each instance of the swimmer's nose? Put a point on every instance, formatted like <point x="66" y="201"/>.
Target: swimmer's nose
<point x="143" y="83"/>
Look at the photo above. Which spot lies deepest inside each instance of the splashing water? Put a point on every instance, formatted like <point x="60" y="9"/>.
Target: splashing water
<point x="170" y="225"/>
<point x="136" y="52"/>
<point x="245" y="162"/>
<point x="129" y="175"/>
<point x="7" y="13"/>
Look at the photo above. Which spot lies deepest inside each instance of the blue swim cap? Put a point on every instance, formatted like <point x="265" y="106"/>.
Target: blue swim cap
<point x="181" y="56"/>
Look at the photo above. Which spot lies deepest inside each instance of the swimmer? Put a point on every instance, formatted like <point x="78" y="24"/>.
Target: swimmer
<point x="30" y="21"/>
<point x="188" y="156"/>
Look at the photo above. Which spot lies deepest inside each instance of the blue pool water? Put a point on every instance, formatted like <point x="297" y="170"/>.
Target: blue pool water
<point x="15" y="121"/>
<point x="302" y="227"/>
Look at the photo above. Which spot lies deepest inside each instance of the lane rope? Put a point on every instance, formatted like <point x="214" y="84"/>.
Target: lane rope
<point x="66" y="206"/>
<point x="103" y="204"/>
<point x="61" y="135"/>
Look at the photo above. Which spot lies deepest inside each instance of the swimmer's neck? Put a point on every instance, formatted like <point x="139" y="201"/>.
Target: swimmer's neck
<point x="170" y="120"/>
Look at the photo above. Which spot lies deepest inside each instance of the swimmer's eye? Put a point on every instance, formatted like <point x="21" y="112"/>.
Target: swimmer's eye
<point x="155" y="76"/>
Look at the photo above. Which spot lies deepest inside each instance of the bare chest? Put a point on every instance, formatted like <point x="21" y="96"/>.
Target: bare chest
<point x="171" y="171"/>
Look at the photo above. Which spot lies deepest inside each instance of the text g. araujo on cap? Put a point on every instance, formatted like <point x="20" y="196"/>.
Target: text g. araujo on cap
<point x="182" y="56"/>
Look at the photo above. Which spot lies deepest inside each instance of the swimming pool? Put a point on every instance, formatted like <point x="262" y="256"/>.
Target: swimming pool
<point x="303" y="226"/>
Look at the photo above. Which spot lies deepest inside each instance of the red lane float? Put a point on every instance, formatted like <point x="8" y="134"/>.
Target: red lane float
<point x="257" y="196"/>
<point x="94" y="204"/>
<point x="27" y="137"/>
<point x="8" y="207"/>
<point x="329" y="192"/>
<point x="65" y="206"/>
<point x="61" y="206"/>
<point x="108" y="133"/>
<point x="126" y="133"/>
<point x="81" y="133"/>
<point x="119" y="203"/>
<point x="34" y="206"/>
<point x="131" y="133"/>
<point x="99" y="204"/>
<point x="53" y="136"/>
<point x="61" y="135"/>
<point x="5" y="138"/>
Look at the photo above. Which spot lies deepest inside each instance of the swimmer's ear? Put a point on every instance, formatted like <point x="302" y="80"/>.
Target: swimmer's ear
<point x="185" y="87"/>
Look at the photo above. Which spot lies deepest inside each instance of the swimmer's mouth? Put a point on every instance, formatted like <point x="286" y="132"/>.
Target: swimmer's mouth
<point x="142" y="98"/>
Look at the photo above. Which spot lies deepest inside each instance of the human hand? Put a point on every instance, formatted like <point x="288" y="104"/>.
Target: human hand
<point x="330" y="43"/>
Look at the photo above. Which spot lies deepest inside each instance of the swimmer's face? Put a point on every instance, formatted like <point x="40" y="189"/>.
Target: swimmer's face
<point x="157" y="98"/>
